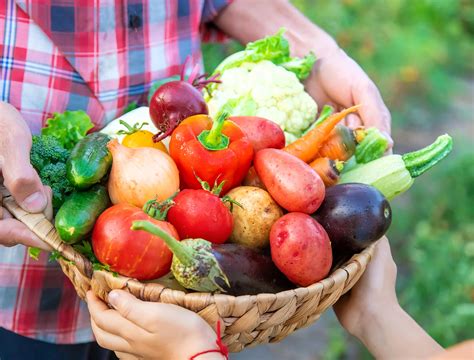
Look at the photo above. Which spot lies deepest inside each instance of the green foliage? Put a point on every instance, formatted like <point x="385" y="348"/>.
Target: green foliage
<point x="130" y="107"/>
<point x="438" y="292"/>
<point x="337" y="343"/>
<point x="86" y="249"/>
<point x="68" y="127"/>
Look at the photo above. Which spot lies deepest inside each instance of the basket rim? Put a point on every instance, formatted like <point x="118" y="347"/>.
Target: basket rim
<point x="361" y="258"/>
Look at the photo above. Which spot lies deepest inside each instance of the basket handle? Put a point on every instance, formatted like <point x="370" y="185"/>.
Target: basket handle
<point x="44" y="229"/>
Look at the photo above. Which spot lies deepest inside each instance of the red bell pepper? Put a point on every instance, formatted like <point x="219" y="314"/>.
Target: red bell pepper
<point x="211" y="151"/>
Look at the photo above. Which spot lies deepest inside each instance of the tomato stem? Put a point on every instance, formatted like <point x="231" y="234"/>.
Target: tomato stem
<point x="159" y="210"/>
<point x="130" y="129"/>
<point x="183" y="253"/>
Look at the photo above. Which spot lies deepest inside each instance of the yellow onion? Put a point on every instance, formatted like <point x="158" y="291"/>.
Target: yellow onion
<point x="141" y="174"/>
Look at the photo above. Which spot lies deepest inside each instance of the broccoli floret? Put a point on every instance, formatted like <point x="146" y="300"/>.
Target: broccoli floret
<point x="47" y="150"/>
<point x="54" y="175"/>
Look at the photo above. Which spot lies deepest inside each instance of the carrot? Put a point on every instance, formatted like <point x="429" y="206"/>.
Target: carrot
<point x="327" y="169"/>
<point x="340" y="144"/>
<point x="307" y="147"/>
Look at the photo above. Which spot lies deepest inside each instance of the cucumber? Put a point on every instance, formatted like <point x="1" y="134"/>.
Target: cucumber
<point x="77" y="216"/>
<point x="90" y="161"/>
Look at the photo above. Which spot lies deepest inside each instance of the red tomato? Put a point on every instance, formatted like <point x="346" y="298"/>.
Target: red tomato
<point x="132" y="253"/>
<point x="201" y="214"/>
<point x="300" y="248"/>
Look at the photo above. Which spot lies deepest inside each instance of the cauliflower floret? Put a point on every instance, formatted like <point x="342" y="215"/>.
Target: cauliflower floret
<point x="267" y="90"/>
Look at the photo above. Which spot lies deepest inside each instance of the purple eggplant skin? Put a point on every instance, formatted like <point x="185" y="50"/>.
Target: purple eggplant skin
<point x="354" y="216"/>
<point x="248" y="271"/>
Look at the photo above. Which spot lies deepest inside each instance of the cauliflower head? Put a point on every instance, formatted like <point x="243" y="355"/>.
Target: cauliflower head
<point x="267" y="90"/>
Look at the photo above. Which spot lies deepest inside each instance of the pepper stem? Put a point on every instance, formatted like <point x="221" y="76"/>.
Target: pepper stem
<point x="417" y="162"/>
<point x="214" y="139"/>
<point x="183" y="253"/>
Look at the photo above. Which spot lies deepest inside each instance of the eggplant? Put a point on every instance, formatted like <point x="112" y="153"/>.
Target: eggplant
<point x="354" y="216"/>
<point x="229" y="268"/>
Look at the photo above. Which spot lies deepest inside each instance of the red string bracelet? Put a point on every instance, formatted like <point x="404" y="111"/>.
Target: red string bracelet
<point x="221" y="348"/>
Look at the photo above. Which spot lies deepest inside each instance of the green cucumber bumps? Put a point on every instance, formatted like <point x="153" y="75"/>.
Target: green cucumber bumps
<point x="77" y="216"/>
<point x="90" y="161"/>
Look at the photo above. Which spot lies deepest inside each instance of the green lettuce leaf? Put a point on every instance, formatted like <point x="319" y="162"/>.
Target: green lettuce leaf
<point x="300" y="66"/>
<point x="34" y="253"/>
<point x="68" y="127"/>
<point x="273" y="48"/>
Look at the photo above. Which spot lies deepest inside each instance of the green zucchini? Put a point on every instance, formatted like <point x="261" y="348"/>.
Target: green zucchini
<point x="77" y="216"/>
<point x="90" y="161"/>
<point x="394" y="174"/>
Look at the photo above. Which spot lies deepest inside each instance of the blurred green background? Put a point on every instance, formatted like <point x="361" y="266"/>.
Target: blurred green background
<point x="421" y="55"/>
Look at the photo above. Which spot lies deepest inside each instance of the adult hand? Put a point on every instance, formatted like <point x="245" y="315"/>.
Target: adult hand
<point x="337" y="80"/>
<point x="20" y="179"/>
<point x="139" y="329"/>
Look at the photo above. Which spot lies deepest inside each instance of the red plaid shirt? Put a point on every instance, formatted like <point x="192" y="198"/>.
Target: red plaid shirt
<point x="58" y="55"/>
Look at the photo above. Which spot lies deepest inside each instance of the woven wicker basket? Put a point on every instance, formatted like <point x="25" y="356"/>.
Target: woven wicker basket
<point x="245" y="320"/>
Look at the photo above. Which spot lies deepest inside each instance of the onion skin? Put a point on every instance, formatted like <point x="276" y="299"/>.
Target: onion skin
<point x="173" y="102"/>
<point x="141" y="174"/>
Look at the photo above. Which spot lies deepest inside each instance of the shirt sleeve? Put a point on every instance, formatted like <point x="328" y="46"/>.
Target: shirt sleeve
<point x="209" y="32"/>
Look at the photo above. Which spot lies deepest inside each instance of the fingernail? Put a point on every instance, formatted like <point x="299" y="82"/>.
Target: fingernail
<point x="36" y="202"/>
<point x="113" y="298"/>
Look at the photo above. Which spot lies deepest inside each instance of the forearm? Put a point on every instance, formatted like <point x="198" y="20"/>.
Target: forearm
<point x="392" y="334"/>
<point x="249" y="20"/>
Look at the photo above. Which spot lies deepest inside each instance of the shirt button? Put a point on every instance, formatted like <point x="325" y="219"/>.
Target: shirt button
<point x="134" y="21"/>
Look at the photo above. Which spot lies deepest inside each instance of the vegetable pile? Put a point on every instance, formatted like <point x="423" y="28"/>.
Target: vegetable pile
<point x="253" y="194"/>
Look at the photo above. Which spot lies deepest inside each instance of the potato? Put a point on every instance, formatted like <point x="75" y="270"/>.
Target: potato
<point x="261" y="132"/>
<point x="293" y="184"/>
<point x="253" y="221"/>
<point x="300" y="248"/>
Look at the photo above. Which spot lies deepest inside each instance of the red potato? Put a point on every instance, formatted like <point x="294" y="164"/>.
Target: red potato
<point x="261" y="132"/>
<point x="300" y="248"/>
<point x="293" y="184"/>
<point x="252" y="179"/>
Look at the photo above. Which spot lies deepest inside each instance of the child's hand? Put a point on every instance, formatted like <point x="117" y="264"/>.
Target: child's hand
<point x="139" y="329"/>
<point x="371" y="313"/>
<point x="374" y="294"/>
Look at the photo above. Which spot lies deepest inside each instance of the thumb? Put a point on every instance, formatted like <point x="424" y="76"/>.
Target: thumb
<point x="23" y="182"/>
<point x="131" y="308"/>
